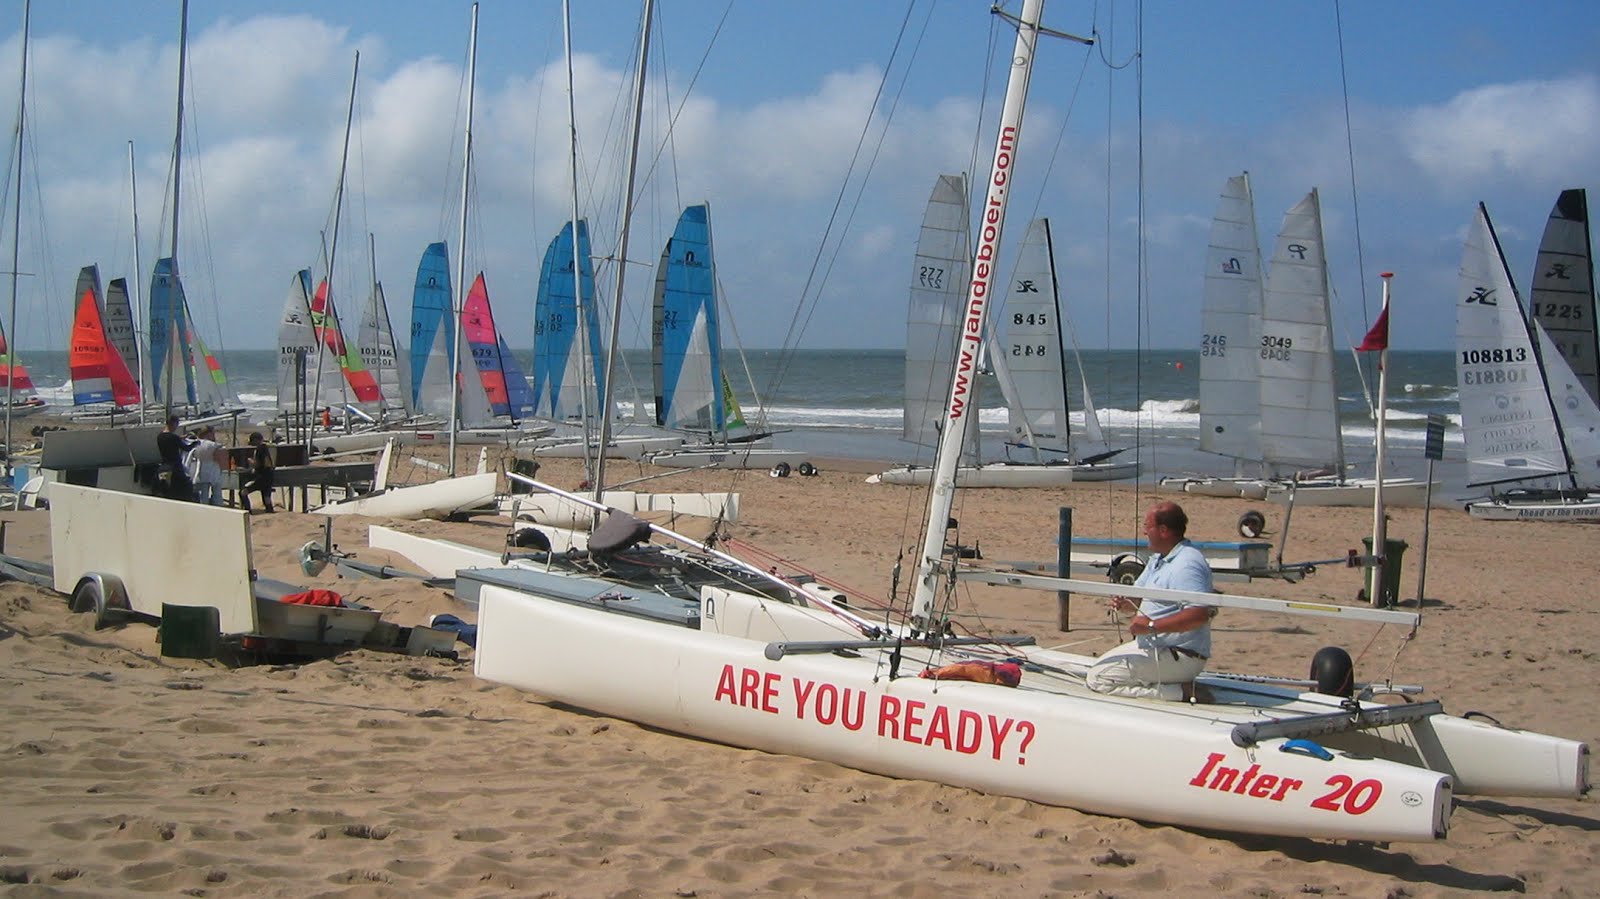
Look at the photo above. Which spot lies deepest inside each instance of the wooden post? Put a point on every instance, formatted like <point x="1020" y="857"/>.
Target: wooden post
<point x="1064" y="566"/>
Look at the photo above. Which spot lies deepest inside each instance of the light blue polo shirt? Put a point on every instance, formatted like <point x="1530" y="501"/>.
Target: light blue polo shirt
<point x="1182" y="568"/>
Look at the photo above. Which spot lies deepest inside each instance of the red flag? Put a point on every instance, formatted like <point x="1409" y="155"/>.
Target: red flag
<point x="1378" y="337"/>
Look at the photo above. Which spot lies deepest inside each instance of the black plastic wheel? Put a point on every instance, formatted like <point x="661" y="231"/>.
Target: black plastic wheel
<point x="1252" y="524"/>
<point x="781" y="470"/>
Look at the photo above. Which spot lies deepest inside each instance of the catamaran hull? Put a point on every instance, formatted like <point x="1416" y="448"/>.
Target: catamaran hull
<point x="1149" y="761"/>
<point x="1009" y="474"/>
<point x="631" y="448"/>
<point x="1352" y="492"/>
<point x="549" y="509"/>
<point x="437" y="500"/>
<point x="1248" y="488"/>
<point x="1585" y="508"/>
<point x="729" y="457"/>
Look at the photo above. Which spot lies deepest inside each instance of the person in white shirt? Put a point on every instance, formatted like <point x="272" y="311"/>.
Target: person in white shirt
<point x="1171" y="640"/>
<point x="208" y="456"/>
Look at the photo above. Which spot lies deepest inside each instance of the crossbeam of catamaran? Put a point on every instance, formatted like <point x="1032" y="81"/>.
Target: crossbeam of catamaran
<point x="1412" y="620"/>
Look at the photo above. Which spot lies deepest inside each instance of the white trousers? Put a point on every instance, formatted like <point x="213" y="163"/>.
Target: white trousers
<point x="1131" y="670"/>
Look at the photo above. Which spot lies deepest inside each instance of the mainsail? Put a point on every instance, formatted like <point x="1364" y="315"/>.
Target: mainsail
<point x="1507" y="421"/>
<point x="1299" y="405"/>
<point x="939" y="279"/>
<point x="325" y="325"/>
<point x="98" y="374"/>
<point x="687" y="347"/>
<point x="560" y="389"/>
<point x="498" y="372"/>
<point x="119" y="327"/>
<point x="379" y="354"/>
<point x="302" y="370"/>
<point x="432" y="333"/>
<point x="1230" y="317"/>
<point x="1562" y="298"/>
<point x="1026" y="354"/>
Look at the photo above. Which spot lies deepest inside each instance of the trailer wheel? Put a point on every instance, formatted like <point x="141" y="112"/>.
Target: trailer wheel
<point x="807" y="470"/>
<point x="1126" y="571"/>
<point x="105" y="596"/>
<point x="1252" y="524"/>
<point x="781" y="470"/>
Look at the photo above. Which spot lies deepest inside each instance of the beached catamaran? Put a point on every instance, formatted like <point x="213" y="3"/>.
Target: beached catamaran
<point x="99" y="374"/>
<point x="700" y="643"/>
<point x="1526" y="417"/>
<point x="1027" y="352"/>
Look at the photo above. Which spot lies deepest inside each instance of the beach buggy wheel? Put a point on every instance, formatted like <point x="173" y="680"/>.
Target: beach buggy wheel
<point x="807" y="470"/>
<point x="781" y="470"/>
<point x="1252" y="524"/>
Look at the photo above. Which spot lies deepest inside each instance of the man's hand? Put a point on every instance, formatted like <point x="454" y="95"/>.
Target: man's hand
<point x="1123" y="604"/>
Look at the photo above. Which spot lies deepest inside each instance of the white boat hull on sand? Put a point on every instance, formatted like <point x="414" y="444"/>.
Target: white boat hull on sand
<point x="619" y="448"/>
<point x="1052" y="741"/>
<point x="1350" y="492"/>
<point x="1248" y="488"/>
<point x="1012" y="474"/>
<point x="437" y="500"/>
<point x="727" y="457"/>
<point x="1513" y="508"/>
<point x="375" y="439"/>
<point x="548" y="509"/>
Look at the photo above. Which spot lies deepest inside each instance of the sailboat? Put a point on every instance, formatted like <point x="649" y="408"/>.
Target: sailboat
<point x="566" y="349"/>
<point x="1027" y="353"/>
<point x="700" y="643"/>
<point x="693" y="394"/>
<point x="1298" y="438"/>
<point x="99" y="374"/>
<point x="1525" y="415"/>
<point x="1230" y="316"/>
<point x="375" y="342"/>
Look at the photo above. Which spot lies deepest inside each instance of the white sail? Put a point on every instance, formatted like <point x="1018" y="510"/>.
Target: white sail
<point x="1230" y="320"/>
<point x="1562" y="295"/>
<point x="1299" y="406"/>
<point x="375" y="340"/>
<point x="299" y="358"/>
<point x="1576" y="412"/>
<point x="1507" y="422"/>
<point x="939" y="280"/>
<point x="1027" y="351"/>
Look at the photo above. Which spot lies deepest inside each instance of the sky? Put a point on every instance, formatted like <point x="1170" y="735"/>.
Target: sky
<point x="815" y="130"/>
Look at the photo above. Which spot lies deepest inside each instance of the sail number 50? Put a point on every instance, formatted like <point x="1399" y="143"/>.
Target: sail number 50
<point x="1349" y="796"/>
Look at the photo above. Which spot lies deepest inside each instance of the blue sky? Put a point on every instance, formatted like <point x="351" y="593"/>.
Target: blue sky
<point x="1449" y="103"/>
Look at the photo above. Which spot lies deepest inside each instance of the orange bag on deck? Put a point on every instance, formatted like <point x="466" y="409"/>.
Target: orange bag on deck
<point x="318" y="597"/>
<point x="1006" y="674"/>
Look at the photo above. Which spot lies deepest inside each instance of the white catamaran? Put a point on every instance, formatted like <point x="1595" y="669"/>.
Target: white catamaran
<point x="699" y="643"/>
<point x="1525" y="415"/>
<point x="1285" y="378"/>
<point x="1027" y="352"/>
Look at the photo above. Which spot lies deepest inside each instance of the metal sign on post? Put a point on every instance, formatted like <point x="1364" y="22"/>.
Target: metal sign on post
<point x="1433" y="449"/>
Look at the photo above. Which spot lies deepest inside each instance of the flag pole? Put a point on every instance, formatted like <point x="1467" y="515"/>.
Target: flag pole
<point x="1378" y="339"/>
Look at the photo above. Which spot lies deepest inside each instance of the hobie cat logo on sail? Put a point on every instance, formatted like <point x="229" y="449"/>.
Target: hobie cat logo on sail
<point x="1483" y="296"/>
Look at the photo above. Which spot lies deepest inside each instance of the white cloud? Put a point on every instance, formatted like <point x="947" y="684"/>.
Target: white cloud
<point x="1524" y="128"/>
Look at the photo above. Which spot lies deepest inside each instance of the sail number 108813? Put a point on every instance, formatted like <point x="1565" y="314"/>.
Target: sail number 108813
<point x="1498" y="354"/>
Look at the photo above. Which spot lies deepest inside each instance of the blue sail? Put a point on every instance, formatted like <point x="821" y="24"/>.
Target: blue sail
<point x="517" y="390"/>
<point x="688" y="348"/>
<point x="557" y="367"/>
<point x="430" y="311"/>
<point x="168" y="328"/>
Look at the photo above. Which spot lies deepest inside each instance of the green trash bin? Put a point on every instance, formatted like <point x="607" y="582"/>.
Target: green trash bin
<point x="1394" y="552"/>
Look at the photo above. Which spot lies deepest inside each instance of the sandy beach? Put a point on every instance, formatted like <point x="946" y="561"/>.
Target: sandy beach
<point x="381" y="774"/>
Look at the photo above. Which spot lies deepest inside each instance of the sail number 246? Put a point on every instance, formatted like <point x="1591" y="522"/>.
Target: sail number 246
<point x="1213" y="345"/>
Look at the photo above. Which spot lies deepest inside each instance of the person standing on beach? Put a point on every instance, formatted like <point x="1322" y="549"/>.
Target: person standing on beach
<point x="1171" y="640"/>
<point x="260" y="474"/>
<point x="172" y="480"/>
<point x="206" y="471"/>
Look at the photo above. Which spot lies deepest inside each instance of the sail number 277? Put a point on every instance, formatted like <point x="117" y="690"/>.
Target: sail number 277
<point x="930" y="277"/>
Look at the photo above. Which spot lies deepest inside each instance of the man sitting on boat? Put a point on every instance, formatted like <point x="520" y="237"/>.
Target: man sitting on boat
<point x="1171" y="640"/>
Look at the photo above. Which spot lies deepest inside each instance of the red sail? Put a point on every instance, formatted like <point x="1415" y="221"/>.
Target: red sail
<point x="98" y="373"/>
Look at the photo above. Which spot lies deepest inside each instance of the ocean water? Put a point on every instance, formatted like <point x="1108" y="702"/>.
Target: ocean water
<point x="847" y="403"/>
